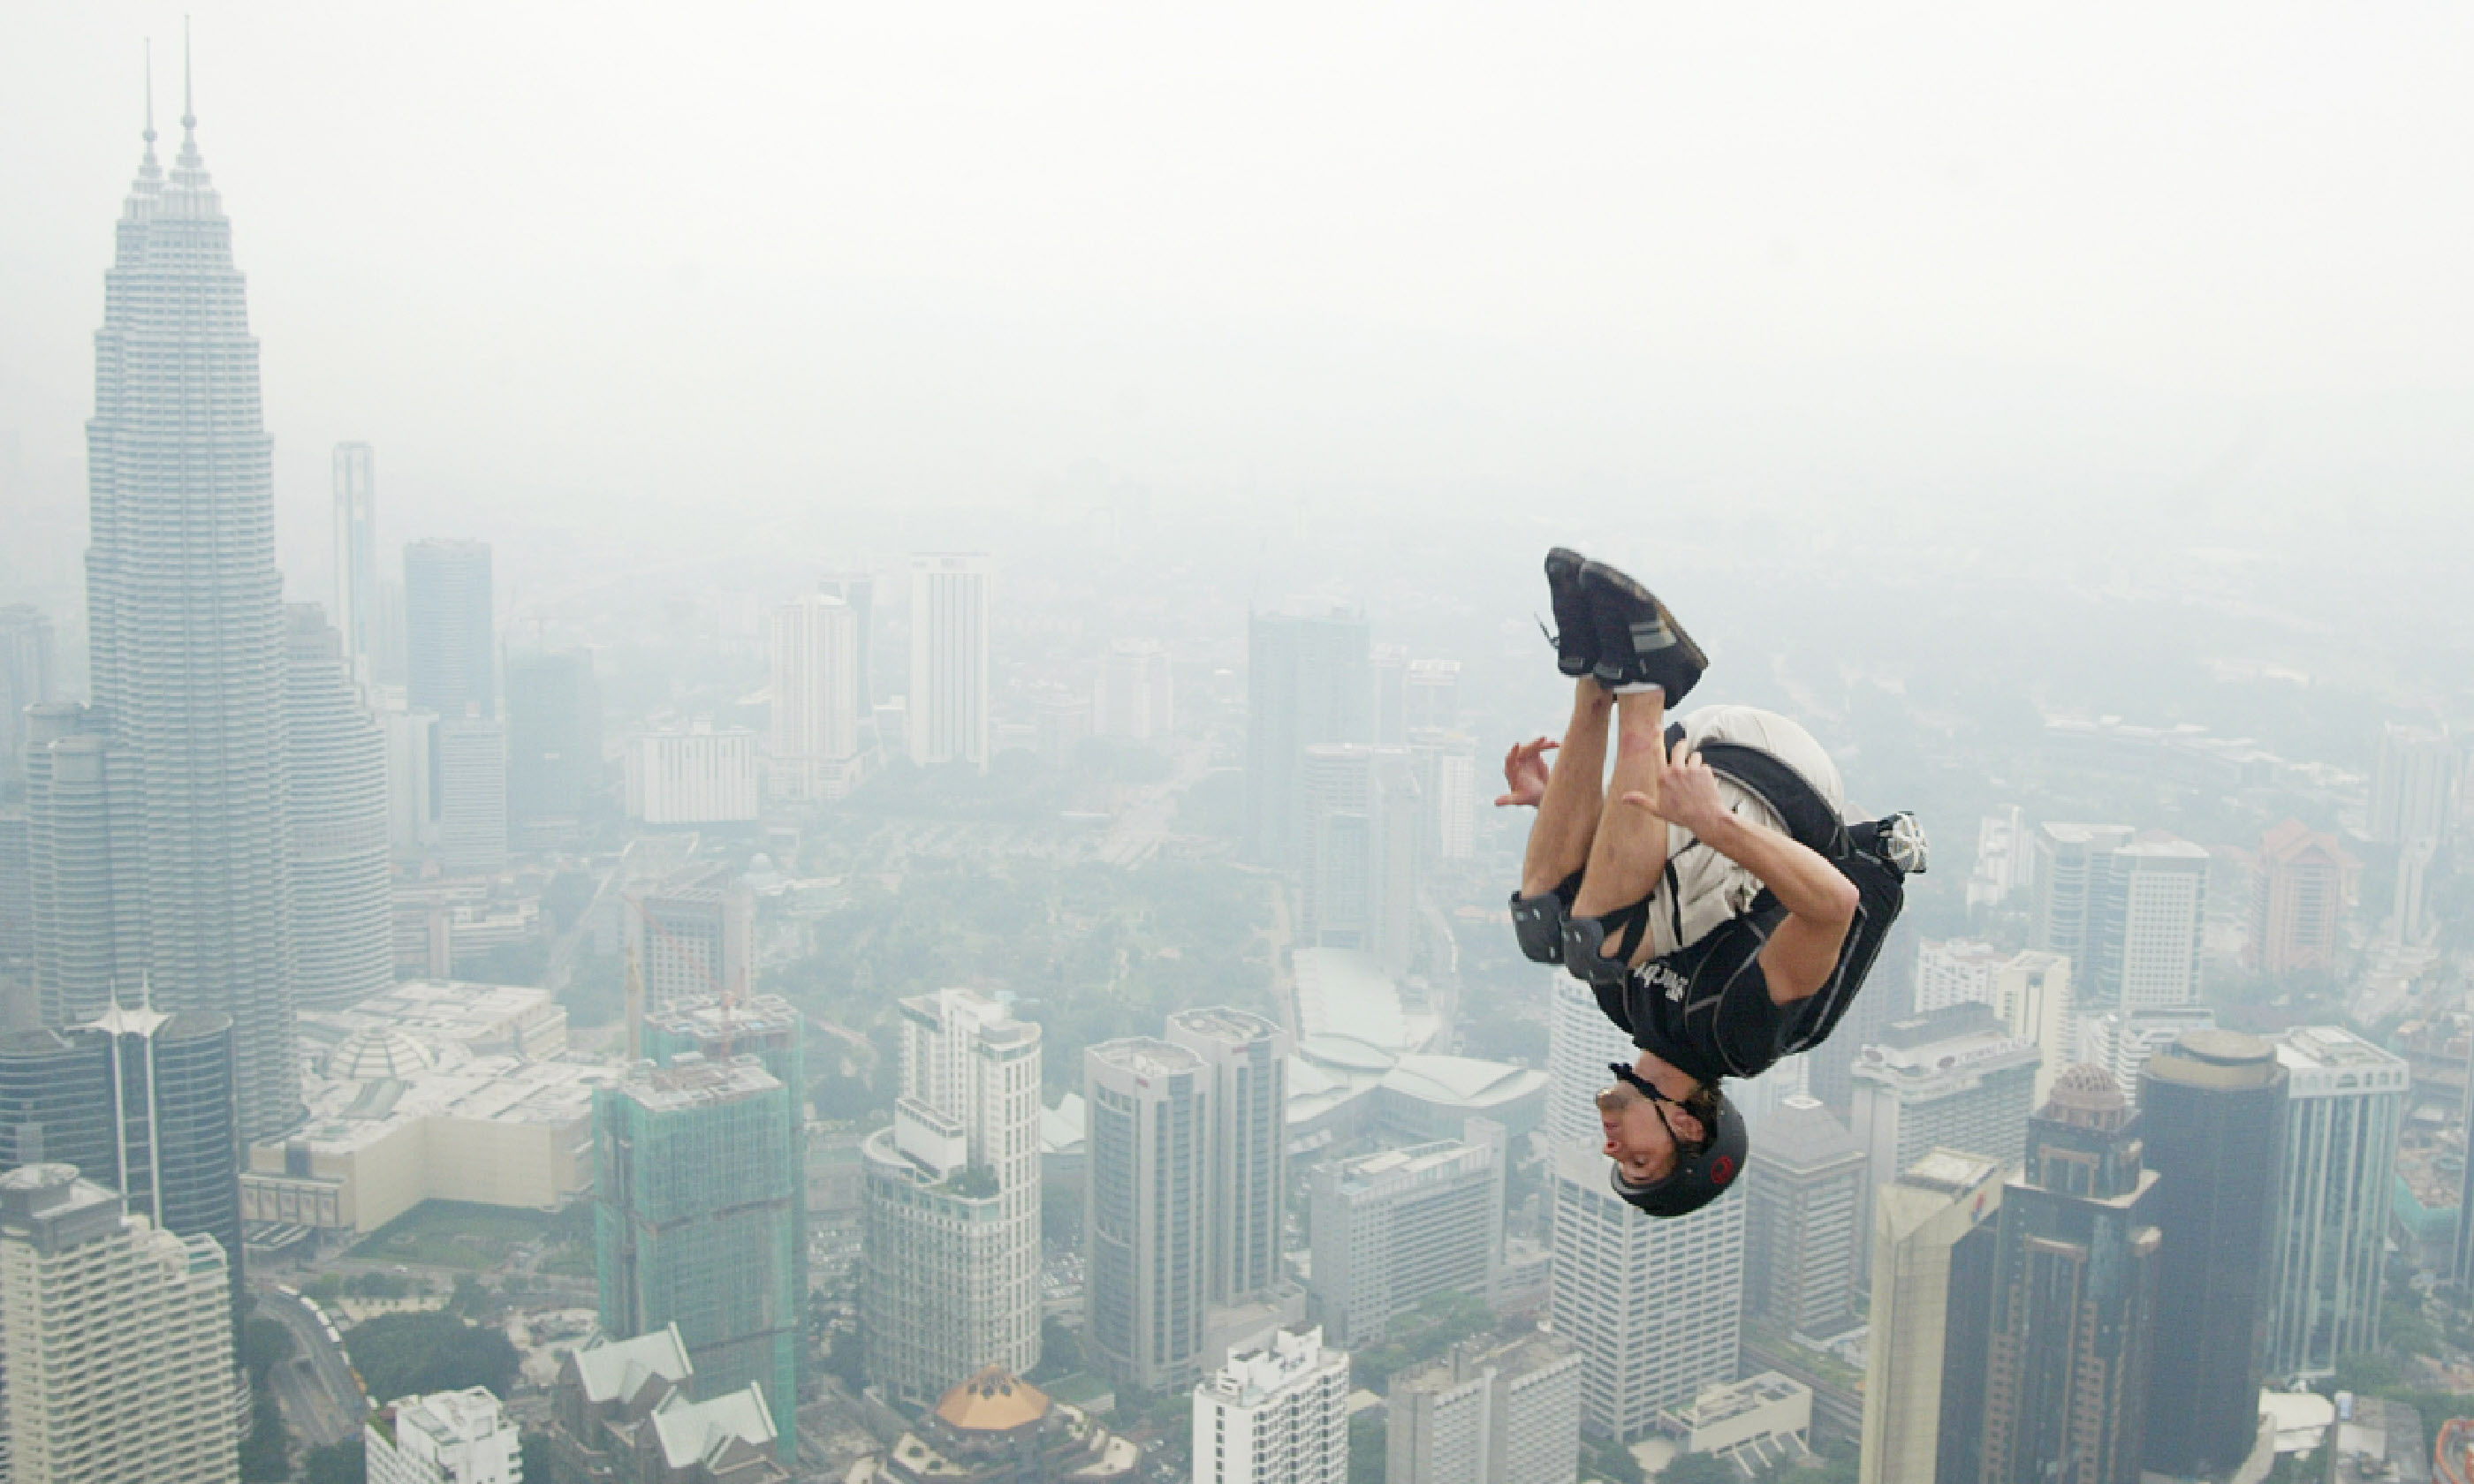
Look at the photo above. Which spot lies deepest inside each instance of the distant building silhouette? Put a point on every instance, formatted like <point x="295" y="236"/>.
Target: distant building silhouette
<point x="950" y="634"/>
<point x="451" y="633"/>
<point x="2298" y="895"/>
<point x="554" y="769"/>
<point x="1309" y="681"/>
<point x="29" y="676"/>
<point x="2412" y="783"/>
<point x="357" y="600"/>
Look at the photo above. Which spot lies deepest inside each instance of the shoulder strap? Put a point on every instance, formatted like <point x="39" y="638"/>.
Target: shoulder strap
<point x="1798" y="804"/>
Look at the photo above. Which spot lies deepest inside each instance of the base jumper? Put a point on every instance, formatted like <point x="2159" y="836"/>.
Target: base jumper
<point x="1710" y="893"/>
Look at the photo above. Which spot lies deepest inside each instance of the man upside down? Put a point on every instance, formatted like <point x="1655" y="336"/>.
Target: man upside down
<point x="1709" y="891"/>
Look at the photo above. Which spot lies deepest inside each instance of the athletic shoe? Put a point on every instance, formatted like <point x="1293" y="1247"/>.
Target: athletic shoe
<point x="1575" y="636"/>
<point x="1639" y="642"/>
<point x="1902" y="844"/>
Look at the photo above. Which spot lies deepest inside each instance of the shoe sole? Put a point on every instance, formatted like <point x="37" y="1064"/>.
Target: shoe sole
<point x="1660" y="632"/>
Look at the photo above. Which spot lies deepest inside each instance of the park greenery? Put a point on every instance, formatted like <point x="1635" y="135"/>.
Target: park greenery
<point x="416" y="1353"/>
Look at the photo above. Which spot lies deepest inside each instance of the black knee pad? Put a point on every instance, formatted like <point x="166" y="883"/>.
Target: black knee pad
<point x="1537" y="922"/>
<point x="1584" y="939"/>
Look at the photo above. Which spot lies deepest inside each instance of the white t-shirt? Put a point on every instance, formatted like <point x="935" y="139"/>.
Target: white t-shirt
<point x="1710" y="887"/>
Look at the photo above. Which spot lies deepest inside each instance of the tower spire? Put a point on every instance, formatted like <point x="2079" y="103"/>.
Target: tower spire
<point x="188" y="107"/>
<point x="150" y="95"/>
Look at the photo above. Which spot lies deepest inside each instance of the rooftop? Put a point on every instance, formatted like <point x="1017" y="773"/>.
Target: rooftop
<point x="693" y="1082"/>
<point x="617" y="1369"/>
<point x="1145" y="1057"/>
<point x="994" y="1400"/>
<point x="451" y="1417"/>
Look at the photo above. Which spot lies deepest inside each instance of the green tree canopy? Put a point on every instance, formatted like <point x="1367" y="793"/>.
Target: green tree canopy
<point x="414" y="1355"/>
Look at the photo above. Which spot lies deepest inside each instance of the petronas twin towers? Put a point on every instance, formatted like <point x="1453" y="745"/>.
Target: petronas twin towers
<point x="184" y="832"/>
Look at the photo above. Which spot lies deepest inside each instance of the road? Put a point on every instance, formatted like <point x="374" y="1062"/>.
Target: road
<point x="1143" y="820"/>
<point x="322" y="1401"/>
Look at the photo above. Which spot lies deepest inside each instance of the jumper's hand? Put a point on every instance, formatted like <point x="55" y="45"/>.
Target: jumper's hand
<point x="1688" y="793"/>
<point x="1524" y="774"/>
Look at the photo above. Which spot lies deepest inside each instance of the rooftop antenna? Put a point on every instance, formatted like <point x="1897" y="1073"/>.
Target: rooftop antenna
<point x="188" y="107"/>
<point x="150" y="95"/>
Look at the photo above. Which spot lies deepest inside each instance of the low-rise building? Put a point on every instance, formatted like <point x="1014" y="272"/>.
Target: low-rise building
<point x="626" y="1411"/>
<point x="997" y="1428"/>
<point x="448" y="1437"/>
<point x="1755" y="1424"/>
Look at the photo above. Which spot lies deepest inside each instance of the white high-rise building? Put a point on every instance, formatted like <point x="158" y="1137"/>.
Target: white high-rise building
<point x="411" y="750"/>
<point x="448" y="1437"/>
<point x="817" y="690"/>
<point x="948" y="720"/>
<point x="1655" y="1307"/>
<point x="706" y="775"/>
<point x="117" y="1338"/>
<point x="2157" y="910"/>
<point x="1135" y="699"/>
<point x="1951" y="970"/>
<point x="1501" y="1414"/>
<point x="339" y="911"/>
<point x="1395" y="1228"/>
<point x="1276" y="1413"/>
<point x="1955" y="1079"/>
<point x="2345" y="1107"/>
<point x="472" y="794"/>
<point x="1146" y="1210"/>
<point x="356" y="558"/>
<point x="952" y="1217"/>
<point x="2122" y="1044"/>
<point x="1249" y="1164"/>
<point x="2032" y="993"/>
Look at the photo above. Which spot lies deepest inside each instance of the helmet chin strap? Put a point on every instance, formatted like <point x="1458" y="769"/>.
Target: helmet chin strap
<point x="1658" y="1101"/>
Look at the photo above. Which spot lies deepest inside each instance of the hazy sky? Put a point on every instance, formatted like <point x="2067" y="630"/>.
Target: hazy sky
<point x="719" y="271"/>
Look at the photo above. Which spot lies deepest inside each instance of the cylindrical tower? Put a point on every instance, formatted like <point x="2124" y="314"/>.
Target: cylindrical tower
<point x="339" y="820"/>
<point x="2213" y="1111"/>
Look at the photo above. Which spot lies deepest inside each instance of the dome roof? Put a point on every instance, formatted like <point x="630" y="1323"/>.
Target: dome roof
<point x="2088" y="1094"/>
<point x="378" y="1051"/>
<point x="994" y="1400"/>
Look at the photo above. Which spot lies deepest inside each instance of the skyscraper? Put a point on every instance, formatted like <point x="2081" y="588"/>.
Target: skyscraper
<point x="554" y="772"/>
<point x="85" y="814"/>
<point x="118" y="1338"/>
<point x="1805" y="1200"/>
<point x="1248" y="1162"/>
<point x="2346" y="1106"/>
<point x="356" y="558"/>
<point x="2154" y="915"/>
<point x="1655" y="1307"/>
<point x="2033" y="995"/>
<point x="951" y="1240"/>
<point x="857" y="589"/>
<point x="949" y="659"/>
<point x="2074" y="1280"/>
<point x="28" y="677"/>
<point x="816" y="695"/>
<point x="1950" y="970"/>
<point x="2071" y="864"/>
<point x="470" y="793"/>
<point x="1955" y="1079"/>
<point x="1308" y="679"/>
<point x="699" y="1220"/>
<point x="693" y="941"/>
<point x="1932" y="1234"/>
<point x="1487" y="1413"/>
<point x="1276" y="1413"/>
<point x="1395" y="1228"/>
<point x="2297" y="900"/>
<point x="1146" y="1210"/>
<point x="2212" y="1107"/>
<point x="1431" y="696"/>
<point x="451" y="641"/>
<point x="186" y="652"/>
<point x="339" y="911"/>
<point x="2412" y="783"/>
<point x="1357" y="860"/>
<point x="1136" y="699"/>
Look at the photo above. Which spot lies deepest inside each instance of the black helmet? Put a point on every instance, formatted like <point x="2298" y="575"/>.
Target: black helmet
<point x="1698" y="1177"/>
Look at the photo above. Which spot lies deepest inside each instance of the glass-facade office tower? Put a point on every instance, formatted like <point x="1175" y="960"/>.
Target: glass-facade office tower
<point x="1362" y="821"/>
<point x="357" y="556"/>
<point x="699" y="1220"/>
<point x="2213" y="1109"/>
<point x="118" y="1340"/>
<point x="2075" y="1278"/>
<point x="1806" y="1202"/>
<point x="2346" y="1100"/>
<point x="1933" y="1229"/>
<point x="1145" y="1212"/>
<point x="449" y="635"/>
<point x="159" y="839"/>
<point x="139" y="1101"/>
<point x="340" y="918"/>
<point x="1308" y="679"/>
<point x="554" y="772"/>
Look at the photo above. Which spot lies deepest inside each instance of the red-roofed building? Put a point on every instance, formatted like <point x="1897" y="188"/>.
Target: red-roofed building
<point x="2298" y="895"/>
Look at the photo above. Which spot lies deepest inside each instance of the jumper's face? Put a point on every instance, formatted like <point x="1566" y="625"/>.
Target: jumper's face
<point x="1641" y="1141"/>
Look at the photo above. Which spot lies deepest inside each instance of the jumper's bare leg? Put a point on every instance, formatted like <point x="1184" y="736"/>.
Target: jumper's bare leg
<point x="1568" y="817"/>
<point x="1629" y="854"/>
